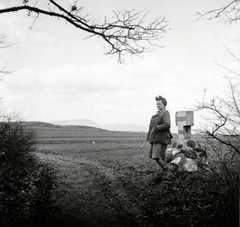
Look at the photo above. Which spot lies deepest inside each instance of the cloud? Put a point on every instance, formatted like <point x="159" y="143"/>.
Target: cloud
<point x="72" y="79"/>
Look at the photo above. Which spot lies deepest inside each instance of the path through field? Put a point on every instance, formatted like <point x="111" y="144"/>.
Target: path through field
<point x="99" y="182"/>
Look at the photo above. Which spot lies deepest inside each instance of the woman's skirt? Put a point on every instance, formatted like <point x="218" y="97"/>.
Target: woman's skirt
<point x="158" y="150"/>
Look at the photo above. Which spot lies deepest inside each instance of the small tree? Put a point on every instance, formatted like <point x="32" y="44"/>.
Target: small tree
<point x="126" y="32"/>
<point x="222" y="130"/>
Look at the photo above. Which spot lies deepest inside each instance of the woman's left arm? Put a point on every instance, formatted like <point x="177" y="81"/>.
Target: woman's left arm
<point x="166" y="122"/>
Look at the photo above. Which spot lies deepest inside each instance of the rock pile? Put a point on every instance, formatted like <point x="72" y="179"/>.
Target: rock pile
<point x="186" y="155"/>
<point x="185" y="159"/>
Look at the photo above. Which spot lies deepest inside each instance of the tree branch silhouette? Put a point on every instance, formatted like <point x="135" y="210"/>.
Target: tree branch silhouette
<point x="126" y="32"/>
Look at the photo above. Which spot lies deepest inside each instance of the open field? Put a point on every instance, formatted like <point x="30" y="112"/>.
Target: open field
<point x="94" y="179"/>
<point x="106" y="179"/>
<point x="96" y="170"/>
<point x="50" y="131"/>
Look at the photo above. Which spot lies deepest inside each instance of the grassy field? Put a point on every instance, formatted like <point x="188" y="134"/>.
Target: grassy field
<point x="96" y="171"/>
<point x="105" y="178"/>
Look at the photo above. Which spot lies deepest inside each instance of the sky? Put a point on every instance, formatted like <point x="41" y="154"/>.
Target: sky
<point x="58" y="74"/>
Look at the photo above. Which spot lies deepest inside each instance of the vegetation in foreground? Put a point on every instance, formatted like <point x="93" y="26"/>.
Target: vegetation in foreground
<point x="109" y="182"/>
<point x="25" y="183"/>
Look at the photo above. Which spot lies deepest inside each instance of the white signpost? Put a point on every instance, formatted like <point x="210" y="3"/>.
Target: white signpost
<point x="184" y="121"/>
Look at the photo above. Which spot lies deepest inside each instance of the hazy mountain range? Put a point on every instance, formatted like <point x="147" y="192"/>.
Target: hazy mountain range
<point x="112" y="127"/>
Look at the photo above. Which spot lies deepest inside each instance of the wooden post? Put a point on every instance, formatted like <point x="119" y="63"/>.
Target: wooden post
<point x="184" y="121"/>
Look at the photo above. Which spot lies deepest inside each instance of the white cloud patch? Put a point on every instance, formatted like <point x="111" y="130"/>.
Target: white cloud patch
<point x="81" y="79"/>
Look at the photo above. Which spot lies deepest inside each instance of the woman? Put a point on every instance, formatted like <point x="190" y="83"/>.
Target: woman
<point x="159" y="134"/>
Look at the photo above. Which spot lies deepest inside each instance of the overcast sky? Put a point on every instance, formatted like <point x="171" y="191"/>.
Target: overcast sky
<point x="59" y="75"/>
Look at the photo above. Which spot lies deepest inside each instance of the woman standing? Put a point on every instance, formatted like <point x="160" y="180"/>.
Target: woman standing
<point x="159" y="134"/>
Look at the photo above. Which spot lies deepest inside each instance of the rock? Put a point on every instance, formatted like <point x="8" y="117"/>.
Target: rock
<point x="191" y="143"/>
<point x="191" y="154"/>
<point x="190" y="165"/>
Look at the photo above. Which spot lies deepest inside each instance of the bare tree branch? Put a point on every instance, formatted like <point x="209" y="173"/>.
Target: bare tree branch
<point x="223" y="118"/>
<point x="229" y="13"/>
<point x="221" y="124"/>
<point x="126" y="32"/>
<point x="3" y="71"/>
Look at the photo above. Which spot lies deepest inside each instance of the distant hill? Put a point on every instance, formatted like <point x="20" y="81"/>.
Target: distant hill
<point x="38" y="124"/>
<point x="85" y="122"/>
<point x="126" y="127"/>
<point x="61" y="133"/>
<point x="112" y="127"/>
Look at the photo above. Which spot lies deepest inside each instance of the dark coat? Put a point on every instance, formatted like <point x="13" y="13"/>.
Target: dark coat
<point x="159" y="128"/>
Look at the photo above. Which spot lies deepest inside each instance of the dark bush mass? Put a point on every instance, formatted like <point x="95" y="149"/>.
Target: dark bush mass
<point x="25" y="182"/>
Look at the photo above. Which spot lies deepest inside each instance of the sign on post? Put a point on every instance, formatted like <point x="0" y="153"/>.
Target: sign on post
<point x="184" y="121"/>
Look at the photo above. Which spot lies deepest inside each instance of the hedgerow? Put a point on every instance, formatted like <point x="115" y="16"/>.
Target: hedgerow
<point x="25" y="183"/>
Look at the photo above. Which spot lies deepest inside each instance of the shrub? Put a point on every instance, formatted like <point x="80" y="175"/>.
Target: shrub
<point x="25" y="182"/>
<point x="225" y="164"/>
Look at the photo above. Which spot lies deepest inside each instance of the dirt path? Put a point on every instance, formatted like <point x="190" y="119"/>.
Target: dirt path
<point x="91" y="194"/>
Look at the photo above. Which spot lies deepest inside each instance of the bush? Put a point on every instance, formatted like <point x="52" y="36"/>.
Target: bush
<point x="225" y="164"/>
<point x="192" y="199"/>
<point x="25" y="182"/>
